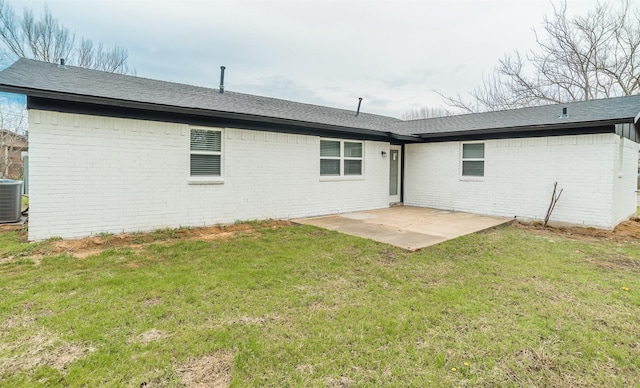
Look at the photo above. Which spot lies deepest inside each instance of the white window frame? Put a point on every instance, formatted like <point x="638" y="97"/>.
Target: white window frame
<point x="207" y="179"/>
<point x="342" y="159"/>
<point x="463" y="159"/>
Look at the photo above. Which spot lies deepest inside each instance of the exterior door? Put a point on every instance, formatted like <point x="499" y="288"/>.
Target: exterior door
<point x="394" y="174"/>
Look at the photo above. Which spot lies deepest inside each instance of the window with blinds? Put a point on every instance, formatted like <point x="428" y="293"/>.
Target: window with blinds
<point x="206" y="153"/>
<point x="473" y="160"/>
<point x="340" y="158"/>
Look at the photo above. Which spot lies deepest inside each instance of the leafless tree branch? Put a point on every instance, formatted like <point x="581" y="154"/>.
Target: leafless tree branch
<point x="13" y="133"/>
<point x="578" y="58"/>
<point x="45" y="39"/>
<point x="425" y="113"/>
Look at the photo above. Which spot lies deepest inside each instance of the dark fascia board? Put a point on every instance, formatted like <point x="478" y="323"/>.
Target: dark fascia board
<point x="135" y="109"/>
<point x="592" y="127"/>
<point x="74" y="103"/>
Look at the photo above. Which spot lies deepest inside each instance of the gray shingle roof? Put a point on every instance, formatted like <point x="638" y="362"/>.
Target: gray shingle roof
<point x="35" y="78"/>
<point x="620" y="109"/>
<point x="43" y="76"/>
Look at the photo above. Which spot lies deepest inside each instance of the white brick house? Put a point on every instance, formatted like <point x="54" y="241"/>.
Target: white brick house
<point x="114" y="153"/>
<point x="519" y="177"/>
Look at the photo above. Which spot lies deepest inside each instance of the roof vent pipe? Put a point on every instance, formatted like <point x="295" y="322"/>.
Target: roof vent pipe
<point x="222" y="79"/>
<point x="61" y="65"/>
<point x="359" y="103"/>
<point x="564" y="113"/>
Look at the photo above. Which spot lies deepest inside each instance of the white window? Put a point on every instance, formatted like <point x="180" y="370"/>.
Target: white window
<point x="473" y="159"/>
<point x="340" y="158"/>
<point x="206" y="153"/>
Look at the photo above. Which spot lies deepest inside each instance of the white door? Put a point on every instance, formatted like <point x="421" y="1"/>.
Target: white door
<point x="394" y="174"/>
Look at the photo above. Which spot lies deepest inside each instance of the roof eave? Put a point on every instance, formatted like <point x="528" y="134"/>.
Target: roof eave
<point x="532" y="128"/>
<point x="53" y="95"/>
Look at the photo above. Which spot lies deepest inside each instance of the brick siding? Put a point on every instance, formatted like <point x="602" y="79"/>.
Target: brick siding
<point x="91" y="174"/>
<point x="519" y="177"/>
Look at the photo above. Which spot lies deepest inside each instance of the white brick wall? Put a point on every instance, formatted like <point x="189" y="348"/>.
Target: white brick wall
<point x="625" y="180"/>
<point x="519" y="177"/>
<point x="91" y="174"/>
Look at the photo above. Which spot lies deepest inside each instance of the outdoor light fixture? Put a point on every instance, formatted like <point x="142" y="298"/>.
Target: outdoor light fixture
<point x="384" y="154"/>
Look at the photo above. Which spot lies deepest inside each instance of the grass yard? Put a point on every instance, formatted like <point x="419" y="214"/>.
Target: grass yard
<point x="301" y="306"/>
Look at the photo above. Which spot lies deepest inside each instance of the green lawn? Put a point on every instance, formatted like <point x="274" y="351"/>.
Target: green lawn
<point x="301" y="306"/>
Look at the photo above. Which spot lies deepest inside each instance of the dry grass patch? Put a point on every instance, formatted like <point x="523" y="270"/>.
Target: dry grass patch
<point x="210" y="371"/>
<point x="16" y="321"/>
<point x="150" y="336"/>
<point x="340" y="382"/>
<point x="249" y="320"/>
<point x="41" y="349"/>
<point x="149" y="302"/>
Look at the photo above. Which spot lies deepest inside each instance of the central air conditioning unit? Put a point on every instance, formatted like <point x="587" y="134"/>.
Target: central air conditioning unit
<point x="10" y="200"/>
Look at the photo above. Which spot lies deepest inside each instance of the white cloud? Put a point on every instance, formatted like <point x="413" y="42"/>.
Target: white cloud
<point x="391" y="53"/>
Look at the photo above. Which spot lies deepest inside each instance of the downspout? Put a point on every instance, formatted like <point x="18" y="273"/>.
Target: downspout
<point x="402" y="158"/>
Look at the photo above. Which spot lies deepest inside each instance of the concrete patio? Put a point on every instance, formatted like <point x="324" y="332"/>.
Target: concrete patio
<point x="407" y="227"/>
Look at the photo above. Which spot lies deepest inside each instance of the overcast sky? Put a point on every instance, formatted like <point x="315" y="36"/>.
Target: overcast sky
<point x="393" y="54"/>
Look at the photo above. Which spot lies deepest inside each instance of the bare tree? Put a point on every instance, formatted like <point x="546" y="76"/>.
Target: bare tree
<point x="43" y="38"/>
<point x="578" y="58"/>
<point x="13" y="138"/>
<point x="47" y="40"/>
<point x="425" y="113"/>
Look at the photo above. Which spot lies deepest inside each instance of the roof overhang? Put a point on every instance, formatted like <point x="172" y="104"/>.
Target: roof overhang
<point x="100" y="105"/>
<point x="573" y="128"/>
<point x="74" y="103"/>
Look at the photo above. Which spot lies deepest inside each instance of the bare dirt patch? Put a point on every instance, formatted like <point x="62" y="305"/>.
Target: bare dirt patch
<point x="84" y="247"/>
<point x="629" y="228"/>
<point x="212" y="370"/>
<point x="624" y="232"/>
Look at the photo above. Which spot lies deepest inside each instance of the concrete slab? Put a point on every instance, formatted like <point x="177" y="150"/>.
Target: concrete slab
<point x="407" y="227"/>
